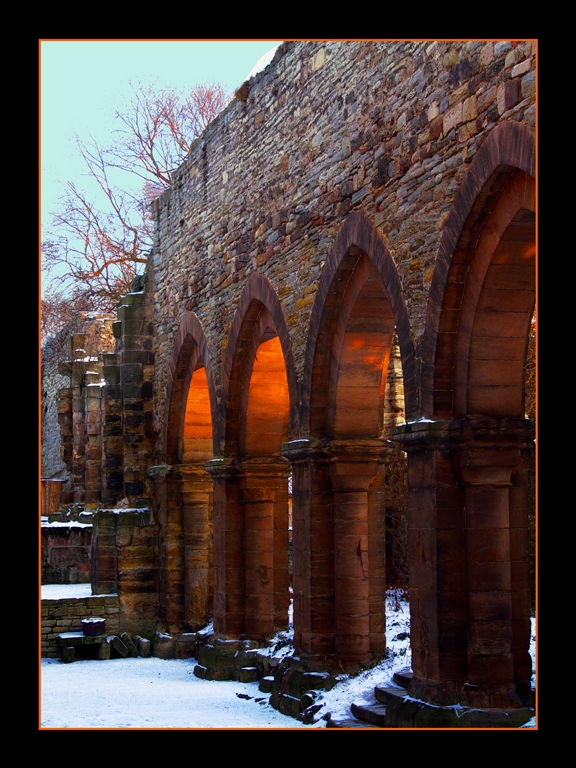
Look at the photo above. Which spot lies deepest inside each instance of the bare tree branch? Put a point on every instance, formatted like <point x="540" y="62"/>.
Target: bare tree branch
<point x="94" y="244"/>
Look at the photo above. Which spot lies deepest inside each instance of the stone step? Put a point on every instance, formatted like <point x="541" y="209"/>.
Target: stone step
<point x="403" y="677"/>
<point x="385" y="694"/>
<point x="348" y="722"/>
<point x="374" y="714"/>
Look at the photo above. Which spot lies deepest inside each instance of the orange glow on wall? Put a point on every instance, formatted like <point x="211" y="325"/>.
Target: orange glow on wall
<point x="197" y="437"/>
<point x="268" y="401"/>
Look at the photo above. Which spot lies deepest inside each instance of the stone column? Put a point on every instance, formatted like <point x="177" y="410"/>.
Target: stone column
<point x="66" y="439"/>
<point x="462" y="587"/>
<point x="228" y="520"/>
<point x="112" y="443"/>
<point x="78" y="433"/>
<point x="312" y="548"/>
<point x="338" y="550"/>
<point x="488" y="452"/>
<point x="359" y="552"/>
<point x="168" y="502"/>
<point x="520" y="565"/>
<point x="264" y="484"/>
<point x="196" y="491"/>
<point x="93" y="425"/>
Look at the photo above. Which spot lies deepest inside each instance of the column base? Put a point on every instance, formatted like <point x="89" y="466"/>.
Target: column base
<point x="336" y="663"/>
<point x="404" y="710"/>
<point x="485" y="696"/>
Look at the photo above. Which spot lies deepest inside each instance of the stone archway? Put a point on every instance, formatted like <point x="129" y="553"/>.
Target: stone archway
<point x="470" y="606"/>
<point x="339" y="541"/>
<point x="251" y="475"/>
<point x="183" y="486"/>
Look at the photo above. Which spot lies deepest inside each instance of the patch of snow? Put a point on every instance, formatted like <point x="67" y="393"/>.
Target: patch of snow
<point x="66" y="525"/>
<point x="421" y="420"/>
<point x="64" y="591"/>
<point x="262" y="62"/>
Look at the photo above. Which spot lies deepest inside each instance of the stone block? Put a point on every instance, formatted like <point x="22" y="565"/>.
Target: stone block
<point x="129" y="643"/>
<point x="163" y="646"/>
<point x="117" y="647"/>
<point x="288" y="705"/>
<point x="185" y="645"/>
<point x="247" y="675"/>
<point x="266" y="684"/>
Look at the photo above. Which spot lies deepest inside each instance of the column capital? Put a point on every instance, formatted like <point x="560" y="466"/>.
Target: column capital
<point x="422" y="434"/>
<point x="302" y="449"/>
<point x="328" y="449"/>
<point x="222" y="467"/>
<point x="357" y="449"/>
<point x="159" y="472"/>
<point x="353" y="464"/>
<point x="499" y="432"/>
<point x="267" y="466"/>
<point x="486" y="450"/>
<point x="429" y="433"/>
<point x="191" y="471"/>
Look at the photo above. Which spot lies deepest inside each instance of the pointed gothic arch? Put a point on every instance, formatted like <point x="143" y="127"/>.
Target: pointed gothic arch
<point x="339" y="539"/>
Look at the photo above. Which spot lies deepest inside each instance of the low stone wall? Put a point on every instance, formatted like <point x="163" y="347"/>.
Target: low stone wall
<point x="65" y="615"/>
<point x="66" y="553"/>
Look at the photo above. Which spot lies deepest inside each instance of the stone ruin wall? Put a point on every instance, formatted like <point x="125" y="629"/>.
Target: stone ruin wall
<point x="385" y="128"/>
<point x="55" y="349"/>
<point x="94" y="333"/>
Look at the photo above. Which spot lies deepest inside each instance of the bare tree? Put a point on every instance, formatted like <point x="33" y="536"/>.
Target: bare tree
<point x="58" y="308"/>
<point x="95" y="243"/>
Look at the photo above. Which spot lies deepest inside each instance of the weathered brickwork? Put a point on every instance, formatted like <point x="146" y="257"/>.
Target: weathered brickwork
<point x="384" y="128"/>
<point x="71" y="389"/>
<point x="66" y="553"/>
<point x="125" y="558"/>
<point x="65" y="615"/>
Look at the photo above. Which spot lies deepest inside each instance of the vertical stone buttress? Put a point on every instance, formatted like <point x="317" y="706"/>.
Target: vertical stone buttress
<point x="135" y="358"/>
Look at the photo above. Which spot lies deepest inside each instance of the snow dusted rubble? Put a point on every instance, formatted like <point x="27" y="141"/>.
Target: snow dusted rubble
<point x="154" y="693"/>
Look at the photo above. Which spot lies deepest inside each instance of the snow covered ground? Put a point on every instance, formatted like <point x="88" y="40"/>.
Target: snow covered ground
<point x="157" y="693"/>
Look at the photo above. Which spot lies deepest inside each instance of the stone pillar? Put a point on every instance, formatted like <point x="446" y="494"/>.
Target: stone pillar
<point x="520" y="567"/>
<point x="461" y="583"/>
<point x="65" y="424"/>
<point x="196" y="492"/>
<point x="359" y="552"/>
<point x="134" y="329"/>
<point x="169" y="508"/>
<point x="436" y="563"/>
<point x="338" y="550"/>
<point x="487" y="453"/>
<point x="264" y="494"/>
<point x="312" y="549"/>
<point x="112" y="443"/>
<point x="228" y="538"/>
<point x="93" y="425"/>
<point x="78" y="434"/>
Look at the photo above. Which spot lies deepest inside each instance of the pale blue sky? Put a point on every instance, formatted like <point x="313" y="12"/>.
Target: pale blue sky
<point x="82" y="82"/>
